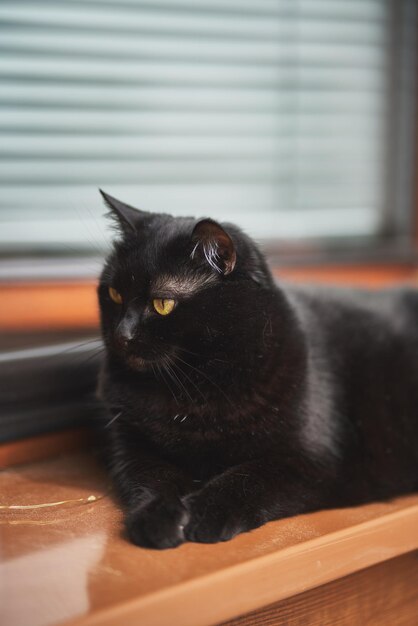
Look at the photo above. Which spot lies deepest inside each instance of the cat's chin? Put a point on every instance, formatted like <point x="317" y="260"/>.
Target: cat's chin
<point x="138" y="363"/>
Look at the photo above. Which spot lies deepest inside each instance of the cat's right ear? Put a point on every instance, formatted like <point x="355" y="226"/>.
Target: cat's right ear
<point x="127" y="217"/>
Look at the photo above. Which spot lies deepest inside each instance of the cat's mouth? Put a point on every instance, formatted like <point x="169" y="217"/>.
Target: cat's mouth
<point x="141" y="356"/>
<point x="144" y="356"/>
<point x="142" y="363"/>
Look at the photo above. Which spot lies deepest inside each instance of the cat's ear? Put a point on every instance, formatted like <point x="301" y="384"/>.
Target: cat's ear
<point x="127" y="217"/>
<point x="216" y="246"/>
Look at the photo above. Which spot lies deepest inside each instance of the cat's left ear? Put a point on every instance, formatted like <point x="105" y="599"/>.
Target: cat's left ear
<point x="127" y="217"/>
<point x="216" y="246"/>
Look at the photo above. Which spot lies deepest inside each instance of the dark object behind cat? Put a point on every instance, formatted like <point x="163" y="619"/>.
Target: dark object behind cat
<point x="233" y="401"/>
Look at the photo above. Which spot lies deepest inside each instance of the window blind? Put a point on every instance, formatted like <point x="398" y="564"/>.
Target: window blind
<point x="275" y="114"/>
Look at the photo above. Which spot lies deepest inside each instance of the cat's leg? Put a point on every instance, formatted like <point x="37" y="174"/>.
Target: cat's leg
<point x="151" y="490"/>
<point x="249" y="495"/>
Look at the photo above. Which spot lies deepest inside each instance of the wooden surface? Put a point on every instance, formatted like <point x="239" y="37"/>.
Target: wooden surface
<point x="383" y="595"/>
<point x="374" y="276"/>
<point x="71" y="564"/>
<point x="42" y="447"/>
<point x="34" y="306"/>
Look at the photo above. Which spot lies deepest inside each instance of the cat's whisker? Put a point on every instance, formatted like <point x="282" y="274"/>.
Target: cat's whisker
<point x="77" y="346"/>
<point x="113" y="419"/>
<point x="186" y="350"/>
<point x="170" y="375"/>
<point x="188" y="377"/>
<point x="180" y="349"/>
<point x="95" y="263"/>
<point x="208" y="379"/>
<point x="79" y="358"/>
<point x="92" y="356"/>
<point x="170" y="367"/>
<point x="51" y="352"/>
<point x="160" y="371"/>
<point x="92" y="239"/>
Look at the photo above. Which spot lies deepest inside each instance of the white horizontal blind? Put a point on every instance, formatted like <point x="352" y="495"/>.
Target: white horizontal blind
<point x="271" y="113"/>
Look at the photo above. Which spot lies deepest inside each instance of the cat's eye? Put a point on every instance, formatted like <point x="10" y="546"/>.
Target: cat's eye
<point x="115" y="296"/>
<point x="163" y="306"/>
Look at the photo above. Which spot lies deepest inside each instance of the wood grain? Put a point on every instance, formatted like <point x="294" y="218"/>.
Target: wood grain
<point x="383" y="595"/>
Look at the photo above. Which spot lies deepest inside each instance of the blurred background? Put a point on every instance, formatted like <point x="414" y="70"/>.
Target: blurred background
<point x="294" y="118"/>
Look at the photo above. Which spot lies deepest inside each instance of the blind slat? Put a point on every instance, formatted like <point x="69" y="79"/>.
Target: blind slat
<point x="275" y="113"/>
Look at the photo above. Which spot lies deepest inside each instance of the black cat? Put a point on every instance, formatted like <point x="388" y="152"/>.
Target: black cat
<point x="233" y="401"/>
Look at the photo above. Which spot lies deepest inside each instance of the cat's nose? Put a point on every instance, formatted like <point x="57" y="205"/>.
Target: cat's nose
<point x="125" y="331"/>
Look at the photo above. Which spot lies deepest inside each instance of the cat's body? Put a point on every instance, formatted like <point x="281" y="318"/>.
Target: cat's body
<point x="249" y="401"/>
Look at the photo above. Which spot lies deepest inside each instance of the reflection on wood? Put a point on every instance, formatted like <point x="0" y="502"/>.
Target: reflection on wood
<point x="79" y="558"/>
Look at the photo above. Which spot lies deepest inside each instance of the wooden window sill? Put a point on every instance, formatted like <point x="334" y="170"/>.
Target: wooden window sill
<point x="70" y="564"/>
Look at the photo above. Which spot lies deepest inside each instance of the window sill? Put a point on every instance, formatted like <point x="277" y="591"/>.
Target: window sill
<point x="70" y="563"/>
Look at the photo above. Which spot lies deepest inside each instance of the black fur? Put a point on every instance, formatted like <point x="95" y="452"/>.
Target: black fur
<point x="250" y="401"/>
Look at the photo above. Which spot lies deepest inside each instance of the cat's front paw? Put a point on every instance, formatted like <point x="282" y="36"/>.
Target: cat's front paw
<point x="157" y="524"/>
<point x="214" y="519"/>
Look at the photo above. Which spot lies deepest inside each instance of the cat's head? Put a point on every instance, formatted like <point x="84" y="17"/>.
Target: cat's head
<point x="178" y="288"/>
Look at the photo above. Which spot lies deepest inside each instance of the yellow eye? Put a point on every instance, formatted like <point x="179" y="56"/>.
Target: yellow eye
<point x="162" y="306"/>
<point x="115" y="296"/>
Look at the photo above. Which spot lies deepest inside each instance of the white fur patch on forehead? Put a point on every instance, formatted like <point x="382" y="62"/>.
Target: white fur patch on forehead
<point x="182" y="286"/>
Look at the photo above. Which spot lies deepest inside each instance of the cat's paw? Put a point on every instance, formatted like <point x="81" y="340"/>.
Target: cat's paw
<point x="157" y="524"/>
<point x="213" y="520"/>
